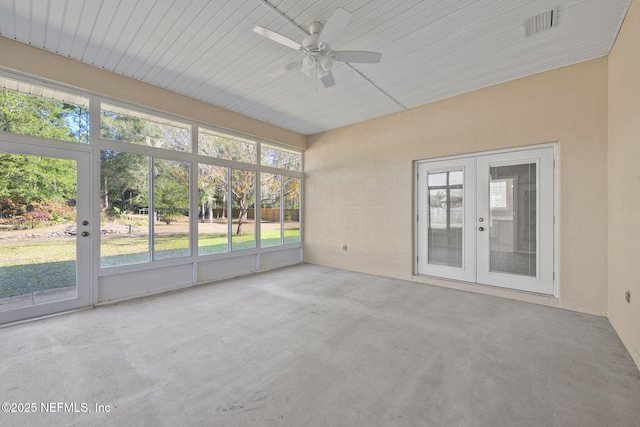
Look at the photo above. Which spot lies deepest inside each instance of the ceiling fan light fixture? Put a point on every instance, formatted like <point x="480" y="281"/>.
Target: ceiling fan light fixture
<point x="321" y="72"/>
<point x="326" y="62"/>
<point x="306" y="71"/>
<point x="307" y="62"/>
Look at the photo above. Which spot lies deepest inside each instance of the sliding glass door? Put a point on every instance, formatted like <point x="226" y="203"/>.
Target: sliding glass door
<point x="489" y="219"/>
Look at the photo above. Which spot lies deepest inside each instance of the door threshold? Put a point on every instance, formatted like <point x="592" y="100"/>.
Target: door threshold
<point x="478" y="288"/>
<point x="46" y="316"/>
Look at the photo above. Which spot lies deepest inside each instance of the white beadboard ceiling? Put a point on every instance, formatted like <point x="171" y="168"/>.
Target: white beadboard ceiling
<point x="206" y="49"/>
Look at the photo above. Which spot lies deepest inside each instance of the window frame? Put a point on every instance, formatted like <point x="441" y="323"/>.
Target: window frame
<point x="96" y="143"/>
<point x="195" y="159"/>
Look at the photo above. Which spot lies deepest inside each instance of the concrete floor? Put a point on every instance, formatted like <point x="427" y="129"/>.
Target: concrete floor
<point x="314" y="346"/>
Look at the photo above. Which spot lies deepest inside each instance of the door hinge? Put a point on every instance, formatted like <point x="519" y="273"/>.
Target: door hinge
<point x="554" y="275"/>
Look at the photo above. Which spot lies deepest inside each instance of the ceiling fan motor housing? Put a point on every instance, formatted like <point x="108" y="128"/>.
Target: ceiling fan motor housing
<point x="315" y="28"/>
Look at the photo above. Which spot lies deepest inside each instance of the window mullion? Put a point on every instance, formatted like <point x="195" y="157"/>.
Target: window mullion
<point x="229" y="211"/>
<point x="152" y="210"/>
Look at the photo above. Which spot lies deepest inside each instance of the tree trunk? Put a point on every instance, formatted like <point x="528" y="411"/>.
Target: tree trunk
<point x="106" y="194"/>
<point x="242" y="217"/>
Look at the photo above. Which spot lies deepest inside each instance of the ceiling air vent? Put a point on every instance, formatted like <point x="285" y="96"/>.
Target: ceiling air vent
<point x="540" y="22"/>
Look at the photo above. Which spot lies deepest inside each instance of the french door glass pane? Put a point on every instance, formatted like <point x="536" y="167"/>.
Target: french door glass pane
<point x="512" y="225"/>
<point x="445" y="231"/>
<point x="37" y="230"/>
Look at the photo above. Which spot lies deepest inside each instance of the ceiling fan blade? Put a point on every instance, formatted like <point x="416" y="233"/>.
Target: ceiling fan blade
<point x="277" y="37"/>
<point x="334" y="26"/>
<point x="283" y="69"/>
<point x="357" y="56"/>
<point x="328" y="80"/>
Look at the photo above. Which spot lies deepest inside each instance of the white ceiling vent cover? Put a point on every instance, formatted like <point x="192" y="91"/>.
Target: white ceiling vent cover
<point x="540" y="22"/>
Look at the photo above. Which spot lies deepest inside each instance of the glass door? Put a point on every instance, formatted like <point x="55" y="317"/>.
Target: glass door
<point x="515" y="220"/>
<point x="45" y="261"/>
<point x="489" y="219"/>
<point x="446" y="219"/>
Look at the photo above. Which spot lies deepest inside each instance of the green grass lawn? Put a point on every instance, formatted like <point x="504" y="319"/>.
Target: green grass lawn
<point x="29" y="265"/>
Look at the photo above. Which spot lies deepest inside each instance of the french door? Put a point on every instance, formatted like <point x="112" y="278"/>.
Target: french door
<point x="45" y="250"/>
<point x="489" y="219"/>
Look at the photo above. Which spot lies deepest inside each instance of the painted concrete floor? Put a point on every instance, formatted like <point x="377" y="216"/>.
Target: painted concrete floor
<point x="314" y="346"/>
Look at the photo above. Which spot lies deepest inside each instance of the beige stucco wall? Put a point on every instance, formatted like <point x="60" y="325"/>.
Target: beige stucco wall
<point x="359" y="178"/>
<point x="22" y="58"/>
<point x="624" y="182"/>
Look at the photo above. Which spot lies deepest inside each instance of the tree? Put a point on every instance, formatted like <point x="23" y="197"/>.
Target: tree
<point x="243" y="191"/>
<point x="125" y="175"/>
<point x="33" y="179"/>
<point x="242" y="182"/>
<point x="171" y="188"/>
<point x="120" y="127"/>
<point x="212" y="185"/>
<point x="46" y="118"/>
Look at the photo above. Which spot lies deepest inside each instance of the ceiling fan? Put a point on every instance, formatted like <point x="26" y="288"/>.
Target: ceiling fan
<point x="318" y="57"/>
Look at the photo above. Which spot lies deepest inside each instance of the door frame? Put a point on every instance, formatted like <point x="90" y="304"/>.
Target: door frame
<point x="556" y="235"/>
<point x="82" y="155"/>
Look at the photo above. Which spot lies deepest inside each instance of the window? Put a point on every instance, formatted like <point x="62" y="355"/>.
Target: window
<point x="121" y="124"/>
<point x="128" y="214"/>
<point x="247" y="196"/>
<point x="291" y="202"/>
<point x="124" y="208"/>
<point x="227" y="147"/>
<point x="498" y="194"/>
<point x="243" y="191"/>
<point x="232" y="197"/>
<point x="280" y="158"/>
<point x="32" y="110"/>
<point x="501" y="196"/>
<point x="171" y="209"/>
<point x="271" y="210"/>
<point x="213" y="224"/>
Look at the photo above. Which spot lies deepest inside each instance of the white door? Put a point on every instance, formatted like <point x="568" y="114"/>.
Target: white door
<point x="515" y="212"/>
<point x="489" y="219"/>
<point x="45" y="255"/>
<point x="446" y="219"/>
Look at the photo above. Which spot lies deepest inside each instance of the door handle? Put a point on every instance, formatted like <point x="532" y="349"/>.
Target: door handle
<point x="480" y="228"/>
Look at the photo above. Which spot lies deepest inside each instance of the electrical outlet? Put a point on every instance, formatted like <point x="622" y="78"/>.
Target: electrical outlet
<point x="627" y="296"/>
<point x="344" y="247"/>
